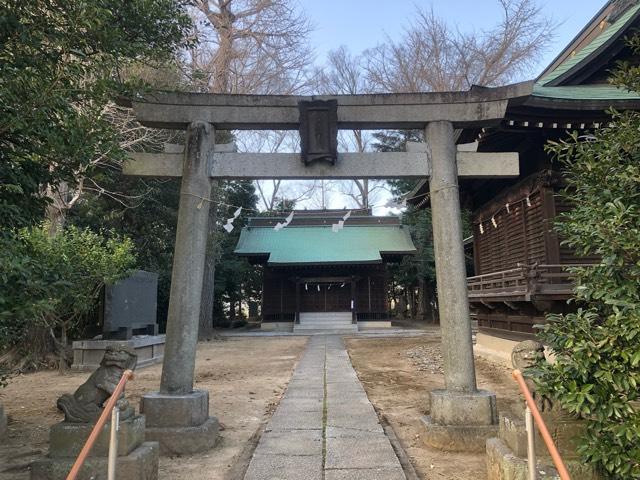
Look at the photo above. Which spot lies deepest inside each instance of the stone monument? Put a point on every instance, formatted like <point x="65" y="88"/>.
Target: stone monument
<point x="137" y="459"/>
<point x="128" y="317"/>
<point x="507" y="454"/>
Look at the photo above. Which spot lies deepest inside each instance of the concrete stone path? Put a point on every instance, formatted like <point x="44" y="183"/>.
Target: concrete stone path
<point x="325" y="427"/>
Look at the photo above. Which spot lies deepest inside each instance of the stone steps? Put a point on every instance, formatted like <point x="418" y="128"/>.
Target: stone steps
<point x="325" y="322"/>
<point x="326" y="331"/>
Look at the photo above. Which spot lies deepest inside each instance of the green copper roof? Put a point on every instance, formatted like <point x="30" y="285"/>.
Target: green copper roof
<point x="597" y="42"/>
<point x="320" y="245"/>
<point x="585" y="92"/>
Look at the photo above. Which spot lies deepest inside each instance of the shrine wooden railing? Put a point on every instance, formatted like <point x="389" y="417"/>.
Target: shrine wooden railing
<point x="524" y="281"/>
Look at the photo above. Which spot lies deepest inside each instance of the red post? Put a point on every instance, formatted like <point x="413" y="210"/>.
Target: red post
<point x="544" y="432"/>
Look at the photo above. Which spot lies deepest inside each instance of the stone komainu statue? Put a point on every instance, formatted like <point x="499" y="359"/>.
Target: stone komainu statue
<point x="86" y="404"/>
<point x="525" y="356"/>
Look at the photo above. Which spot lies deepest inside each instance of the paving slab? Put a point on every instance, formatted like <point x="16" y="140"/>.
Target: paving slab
<point x="325" y="409"/>
<point x="365" y="474"/>
<point x="295" y="420"/>
<point x="370" y="451"/>
<point x="291" y="443"/>
<point x="285" y="467"/>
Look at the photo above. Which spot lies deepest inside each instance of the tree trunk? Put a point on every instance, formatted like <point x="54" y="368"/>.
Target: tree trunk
<point x="208" y="282"/>
<point x="414" y="302"/>
<point x="365" y="193"/>
<point x="56" y="210"/>
<point x="62" y="354"/>
<point x="232" y="310"/>
<point x="223" y="23"/>
<point x="422" y="299"/>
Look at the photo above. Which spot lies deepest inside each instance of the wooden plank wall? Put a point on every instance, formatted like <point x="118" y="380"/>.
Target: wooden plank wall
<point x="518" y="237"/>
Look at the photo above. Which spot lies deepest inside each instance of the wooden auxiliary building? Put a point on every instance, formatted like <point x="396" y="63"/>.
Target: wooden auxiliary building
<point x="315" y="277"/>
<point x="520" y="266"/>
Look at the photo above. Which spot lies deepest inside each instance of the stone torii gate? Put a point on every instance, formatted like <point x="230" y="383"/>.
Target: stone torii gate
<point x="461" y="415"/>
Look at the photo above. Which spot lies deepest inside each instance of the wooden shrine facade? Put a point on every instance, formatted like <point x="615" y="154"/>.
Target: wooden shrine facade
<point x="310" y="268"/>
<point x="359" y="289"/>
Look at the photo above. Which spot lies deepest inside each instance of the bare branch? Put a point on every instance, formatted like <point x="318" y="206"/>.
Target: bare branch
<point x="433" y="56"/>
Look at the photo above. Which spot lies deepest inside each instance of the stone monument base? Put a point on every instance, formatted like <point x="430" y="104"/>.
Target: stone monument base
<point x="460" y="421"/>
<point x="3" y="424"/>
<point x="87" y="354"/>
<point x="137" y="459"/>
<point x="180" y="423"/>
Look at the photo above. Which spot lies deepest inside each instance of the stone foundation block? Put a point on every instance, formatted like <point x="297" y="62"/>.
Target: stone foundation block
<point x="456" y="438"/>
<point x="566" y="434"/>
<point x="185" y="440"/>
<point x="503" y="464"/>
<point x="140" y="464"/>
<point x="66" y="439"/>
<point x="163" y="410"/>
<point x="465" y="409"/>
<point x="513" y="433"/>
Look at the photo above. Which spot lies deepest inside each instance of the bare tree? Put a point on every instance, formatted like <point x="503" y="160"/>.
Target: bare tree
<point x="131" y="137"/>
<point x="246" y="46"/>
<point x="434" y="56"/>
<point x="250" y="46"/>
<point x="344" y="74"/>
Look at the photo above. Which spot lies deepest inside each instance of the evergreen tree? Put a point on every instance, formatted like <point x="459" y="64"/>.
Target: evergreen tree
<point x="60" y="64"/>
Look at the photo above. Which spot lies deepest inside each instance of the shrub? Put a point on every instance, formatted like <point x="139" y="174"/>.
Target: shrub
<point x="54" y="282"/>
<point x="597" y="372"/>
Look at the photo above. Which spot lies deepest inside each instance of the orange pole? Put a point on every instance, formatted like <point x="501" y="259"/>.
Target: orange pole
<point x="544" y="432"/>
<point x="93" y="436"/>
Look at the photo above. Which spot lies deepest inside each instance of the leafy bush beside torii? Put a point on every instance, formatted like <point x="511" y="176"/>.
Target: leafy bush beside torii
<point x="597" y="373"/>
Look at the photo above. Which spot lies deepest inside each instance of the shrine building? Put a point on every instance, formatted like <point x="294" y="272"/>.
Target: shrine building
<point x="321" y="275"/>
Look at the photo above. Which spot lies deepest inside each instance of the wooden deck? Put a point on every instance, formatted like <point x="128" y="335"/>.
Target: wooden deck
<point x="524" y="283"/>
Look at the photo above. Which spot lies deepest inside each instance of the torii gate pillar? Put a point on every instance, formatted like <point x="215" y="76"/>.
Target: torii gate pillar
<point x="178" y="416"/>
<point x="461" y="416"/>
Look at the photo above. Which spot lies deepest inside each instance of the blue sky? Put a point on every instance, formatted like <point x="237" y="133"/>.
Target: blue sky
<point x="360" y="24"/>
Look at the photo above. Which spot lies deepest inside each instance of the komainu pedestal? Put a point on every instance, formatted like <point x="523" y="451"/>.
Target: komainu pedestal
<point x="137" y="459"/>
<point x="507" y="453"/>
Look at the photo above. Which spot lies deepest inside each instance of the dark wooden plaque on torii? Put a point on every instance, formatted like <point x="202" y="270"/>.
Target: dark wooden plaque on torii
<point x="319" y="131"/>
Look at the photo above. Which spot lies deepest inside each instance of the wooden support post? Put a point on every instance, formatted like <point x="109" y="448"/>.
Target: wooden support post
<point x="354" y="314"/>
<point x="297" y="319"/>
